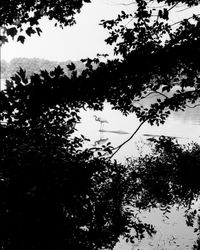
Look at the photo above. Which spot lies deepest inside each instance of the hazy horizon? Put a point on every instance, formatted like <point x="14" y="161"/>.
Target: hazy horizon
<point x="84" y="39"/>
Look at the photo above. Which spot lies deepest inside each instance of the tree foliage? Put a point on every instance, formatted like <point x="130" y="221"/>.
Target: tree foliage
<point x="21" y="18"/>
<point x="169" y="173"/>
<point x="156" y="59"/>
<point x="61" y="196"/>
<point x="54" y="193"/>
<point x="35" y="65"/>
<point x="169" y="176"/>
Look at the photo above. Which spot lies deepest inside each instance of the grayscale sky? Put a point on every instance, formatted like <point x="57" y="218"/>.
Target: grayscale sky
<point x="84" y="39"/>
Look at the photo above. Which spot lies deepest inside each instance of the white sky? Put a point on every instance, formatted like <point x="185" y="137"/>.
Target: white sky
<point x="84" y="39"/>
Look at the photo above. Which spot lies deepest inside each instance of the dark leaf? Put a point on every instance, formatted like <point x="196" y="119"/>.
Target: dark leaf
<point x="21" y="39"/>
<point x="30" y="31"/>
<point x="11" y="32"/>
<point x="38" y="30"/>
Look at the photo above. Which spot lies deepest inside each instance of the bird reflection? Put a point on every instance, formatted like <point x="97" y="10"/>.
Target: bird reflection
<point x="100" y="142"/>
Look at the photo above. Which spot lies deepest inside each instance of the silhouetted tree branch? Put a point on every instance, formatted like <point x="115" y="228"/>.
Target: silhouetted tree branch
<point x="121" y="145"/>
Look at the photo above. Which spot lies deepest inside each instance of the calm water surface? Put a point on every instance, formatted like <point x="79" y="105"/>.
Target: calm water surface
<point x="185" y="125"/>
<point x="172" y="233"/>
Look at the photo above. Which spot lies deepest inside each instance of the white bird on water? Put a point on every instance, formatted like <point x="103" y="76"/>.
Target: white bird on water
<point x="101" y="120"/>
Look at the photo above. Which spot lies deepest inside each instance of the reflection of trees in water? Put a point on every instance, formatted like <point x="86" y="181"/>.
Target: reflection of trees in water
<point x="167" y="237"/>
<point x="189" y="115"/>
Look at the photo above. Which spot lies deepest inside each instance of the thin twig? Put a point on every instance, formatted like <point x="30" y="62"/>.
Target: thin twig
<point x="184" y="9"/>
<point x="188" y="106"/>
<point x="150" y="93"/>
<point x="130" y="20"/>
<point x="173" y="6"/>
<point x="161" y="94"/>
<point x="192" y="107"/>
<point x="184" y="19"/>
<point x="121" y="145"/>
<point x="157" y="7"/>
<point x="125" y="4"/>
<point x="157" y="92"/>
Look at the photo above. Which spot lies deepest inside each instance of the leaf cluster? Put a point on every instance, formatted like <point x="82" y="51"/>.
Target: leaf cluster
<point x="54" y="193"/>
<point x="169" y="175"/>
<point x="21" y="17"/>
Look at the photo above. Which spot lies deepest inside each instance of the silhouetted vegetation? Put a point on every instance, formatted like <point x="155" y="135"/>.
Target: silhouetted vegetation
<point x="21" y="18"/>
<point x="54" y="193"/>
<point x="34" y="66"/>
<point x="168" y="176"/>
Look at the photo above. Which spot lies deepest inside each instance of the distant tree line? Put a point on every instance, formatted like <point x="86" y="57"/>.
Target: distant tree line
<point x="35" y="65"/>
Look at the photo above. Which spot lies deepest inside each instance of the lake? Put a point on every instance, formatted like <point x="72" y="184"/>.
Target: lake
<point x="184" y="125"/>
<point x="172" y="233"/>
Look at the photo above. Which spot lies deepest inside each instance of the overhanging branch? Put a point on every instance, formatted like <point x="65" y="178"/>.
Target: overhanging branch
<point x="121" y="145"/>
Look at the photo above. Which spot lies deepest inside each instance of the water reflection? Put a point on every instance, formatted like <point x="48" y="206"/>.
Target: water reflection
<point x="172" y="233"/>
<point x="185" y="126"/>
<point x="182" y="125"/>
<point x="191" y="116"/>
<point x="100" y="142"/>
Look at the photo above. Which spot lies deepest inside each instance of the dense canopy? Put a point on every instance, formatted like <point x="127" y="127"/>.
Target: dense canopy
<point x="21" y="17"/>
<point x="54" y="193"/>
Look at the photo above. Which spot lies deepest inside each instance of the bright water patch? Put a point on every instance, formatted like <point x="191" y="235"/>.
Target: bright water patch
<point x="185" y="127"/>
<point x="172" y="233"/>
